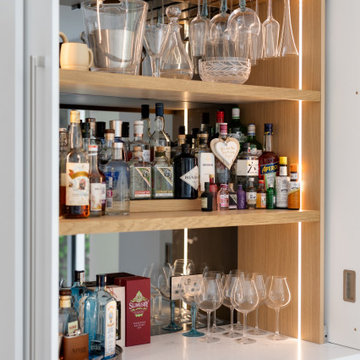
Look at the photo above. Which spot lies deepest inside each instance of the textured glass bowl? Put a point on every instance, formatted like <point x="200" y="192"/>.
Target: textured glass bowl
<point x="228" y="70"/>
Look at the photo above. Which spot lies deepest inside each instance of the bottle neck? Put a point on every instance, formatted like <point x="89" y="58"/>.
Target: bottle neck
<point x="138" y="156"/>
<point x="75" y="136"/>
<point x="117" y="154"/>
<point x="268" y="142"/>
<point x="93" y="161"/>
<point x="159" y="123"/>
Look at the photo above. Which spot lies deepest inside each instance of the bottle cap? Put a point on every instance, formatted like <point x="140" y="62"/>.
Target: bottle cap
<point x="181" y="130"/>
<point x="145" y="112"/>
<point x="93" y="148"/>
<point x="159" y="109"/>
<point x="283" y="160"/>
<point x="205" y="118"/>
<point x="261" y="182"/>
<point x="100" y="129"/>
<point x="116" y="125"/>
<point x="109" y="131"/>
<point x="65" y="292"/>
<point x="181" y="137"/>
<point x="75" y="116"/>
<point x="101" y="280"/>
<point x="223" y="129"/>
<point x="268" y="129"/>
<point x="79" y="275"/>
<point x="251" y="129"/>
<point x="293" y="168"/>
<point x="220" y="116"/>
<point x="235" y="112"/>
<point x="125" y="129"/>
<point x="212" y="179"/>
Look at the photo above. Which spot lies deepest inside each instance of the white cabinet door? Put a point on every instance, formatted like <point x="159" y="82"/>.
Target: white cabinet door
<point x="342" y="239"/>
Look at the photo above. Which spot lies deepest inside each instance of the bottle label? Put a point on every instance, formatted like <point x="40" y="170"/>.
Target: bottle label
<point x="269" y="168"/>
<point x="163" y="181"/>
<point x="251" y="197"/>
<point x="206" y="168"/>
<point x="282" y="192"/>
<point x="77" y="184"/>
<point x="97" y="196"/>
<point x="110" y="329"/>
<point x="293" y="176"/>
<point x="204" y="203"/>
<point x="261" y="200"/>
<point x="81" y="312"/>
<point x="232" y="201"/>
<point x="283" y="171"/>
<point x="141" y="182"/>
<point x="248" y="167"/>
<point x="73" y="326"/>
<point x="224" y="201"/>
<point x="65" y="301"/>
<point x="294" y="195"/>
<point x="63" y="179"/>
<point x="168" y="152"/>
<point x="138" y="130"/>
<point x="192" y="178"/>
<point x="109" y="190"/>
<point x="146" y="155"/>
<point x="167" y="173"/>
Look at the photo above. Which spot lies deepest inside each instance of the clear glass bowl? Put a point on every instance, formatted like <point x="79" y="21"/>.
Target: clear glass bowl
<point x="229" y="70"/>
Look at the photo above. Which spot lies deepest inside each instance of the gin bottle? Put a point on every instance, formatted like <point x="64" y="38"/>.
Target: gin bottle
<point x="79" y="294"/>
<point x="235" y="126"/>
<point x="139" y="141"/>
<point x="117" y="183"/>
<point x="77" y="173"/>
<point x="162" y="174"/>
<point x="140" y="176"/>
<point x="68" y="320"/>
<point x="159" y="136"/>
<point x="100" y="321"/>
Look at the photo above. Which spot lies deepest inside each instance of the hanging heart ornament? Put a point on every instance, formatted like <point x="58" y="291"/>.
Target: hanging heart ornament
<point x="226" y="151"/>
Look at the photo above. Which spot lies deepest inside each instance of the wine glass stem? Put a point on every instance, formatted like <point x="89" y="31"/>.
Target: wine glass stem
<point x="172" y="307"/>
<point x="257" y="318"/>
<point x="208" y="324"/>
<point x="155" y="66"/>
<point x="231" y="319"/>
<point x="269" y="8"/>
<point x="214" y="324"/>
<point x="193" y="316"/>
<point x="277" y="313"/>
<point x="244" y="325"/>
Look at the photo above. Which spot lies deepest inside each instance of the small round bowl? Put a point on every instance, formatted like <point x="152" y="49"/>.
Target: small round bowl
<point x="228" y="70"/>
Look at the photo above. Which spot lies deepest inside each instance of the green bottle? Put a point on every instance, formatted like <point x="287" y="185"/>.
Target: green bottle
<point x="270" y="198"/>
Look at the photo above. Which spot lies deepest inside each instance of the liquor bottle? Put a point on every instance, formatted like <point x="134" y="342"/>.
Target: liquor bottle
<point x="140" y="175"/>
<point x="213" y="190"/>
<point x="68" y="320"/>
<point x="145" y="118"/>
<point x="251" y="194"/>
<point x="178" y="148"/>
<point x="100" y="134"/>
<point x="207" y="199"/>
<point x="100" y="320"/>
<point x="159" y="136"/>
<point x="195" y="140"/>
<point x="220" y="119"/>
<point x="78" y="289"/>
<point x="223" y="197"/>
<point x="126" y="139"/>
<point x="222" y="173"/>
<point x="205" y="160"/>
<point x="235" y="126"/>
<point x="294" y="189"/>
<point x="116" y="125"/>
<point x="246" y="166"/>
<point x="205" y="123"/>
<point x="186" y="175"/>
<point x="117" y="183"/>
<point x="270" y="198"/>
<point x="241" y="198"/>
<point x="97" y="184"/>
<point x="162" y="174"/>
<point x="268" y="161"/>
<point x="139" y="141"/>
<point x="106" y="150"/>
<point x="92" y="122"/>
<point x="255" y="146"/>
<point x="232" y="197"/>
<point x="77" y="173"/>
<point x="282" y="185"/>
<point x="261" y="196"/>
<point x="63" y="135"/>
<point x="85" y="133"/>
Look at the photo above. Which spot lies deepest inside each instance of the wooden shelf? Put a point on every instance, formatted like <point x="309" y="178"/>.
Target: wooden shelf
<point x="109" y="90"/>
<point x="174" y="220"/>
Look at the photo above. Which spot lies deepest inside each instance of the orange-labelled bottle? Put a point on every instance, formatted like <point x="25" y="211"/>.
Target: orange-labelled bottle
<point x="294" y="189"/>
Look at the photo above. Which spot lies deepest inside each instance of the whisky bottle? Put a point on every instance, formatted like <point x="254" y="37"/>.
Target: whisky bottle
<point x="205" y="159"/>
<point x="162" y="174"/>
<point x="77" y="173"/>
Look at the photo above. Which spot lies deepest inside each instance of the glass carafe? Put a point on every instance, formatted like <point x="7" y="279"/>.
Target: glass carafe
<point x="176" y="62"/>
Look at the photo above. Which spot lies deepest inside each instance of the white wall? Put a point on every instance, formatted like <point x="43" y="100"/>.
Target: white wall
<point x="342" y="225"/>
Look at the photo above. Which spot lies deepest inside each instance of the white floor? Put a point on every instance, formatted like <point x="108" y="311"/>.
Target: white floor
<point x="177" y="347"/>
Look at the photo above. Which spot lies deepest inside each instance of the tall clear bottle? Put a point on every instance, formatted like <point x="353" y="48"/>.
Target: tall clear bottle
<point x="162" y="176"/>
<point x="68" y="320"/>
<point x="222" y="173"/>
<point x="159" y="136"/>
<point x="63" y="151"/>
<point x="106" y="150"/>
<point x="100" y="321"/>
<point x="77" y="173"/>
<point x="145" y="118"/>
<point x="97" y="184"/>
<point x="205" y="160"/>
<point x="79" y="294"/>
<point x="139" y="141"/>
<point x="117" y="183"/>
<point x="175" y="62"/>
<point x="117" y="126"/>
<point x="140" y="176"/>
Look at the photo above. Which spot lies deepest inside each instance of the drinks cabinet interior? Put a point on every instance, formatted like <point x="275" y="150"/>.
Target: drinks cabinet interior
<point x="288" y="92"/>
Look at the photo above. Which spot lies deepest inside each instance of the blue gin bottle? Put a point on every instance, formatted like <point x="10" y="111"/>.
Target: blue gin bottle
<point x="78" y="290"/>
<point x="100" y="321"/>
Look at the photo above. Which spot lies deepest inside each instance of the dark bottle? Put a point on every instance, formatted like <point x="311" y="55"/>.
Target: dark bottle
<point x="232" y="197"/>
<point x="205" y="123"/>
<point x="92" y="122"/>
<point x="270" y="198"/>
<point x="207" y="199"/>
<point x="186" y="174"/>
<point x="213" y="190"/>
<point x="100" y="134"/>
<point x="241" y="198"/>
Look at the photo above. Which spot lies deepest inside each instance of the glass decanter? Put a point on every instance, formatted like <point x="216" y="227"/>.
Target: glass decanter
<point x="176" y="63"/>
<point x="198" y="35"/>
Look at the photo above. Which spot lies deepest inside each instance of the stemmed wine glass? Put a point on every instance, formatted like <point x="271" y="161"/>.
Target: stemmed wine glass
<point x="271" y="29"/>
<point x="164" y="287"/>
<point x="241" y="274"/>
<point x="287" y="43"/>
<point x="230" y="282"/>
<point x="261" y="289"/>
<point x="209" y="299"/>
<point x="278" y="297"/>
<point x="189" y="289"/>
<point x="245" y="299"/>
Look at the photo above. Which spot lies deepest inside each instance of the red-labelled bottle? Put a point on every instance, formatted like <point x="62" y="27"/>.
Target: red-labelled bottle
<point x="213" y="189"/>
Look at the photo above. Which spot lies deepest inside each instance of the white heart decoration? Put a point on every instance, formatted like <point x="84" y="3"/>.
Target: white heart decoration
<point x="226" y="151"/>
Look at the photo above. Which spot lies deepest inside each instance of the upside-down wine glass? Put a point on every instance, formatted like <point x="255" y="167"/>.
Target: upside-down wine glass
<point x="261" y="289"/>
<point x="189" y="289"/>
<point x="271" y="29"/>
<point x="287" y="44"/>
<point x="245" y="299"/>
<point x="209" y="299"/>
<point x="278" y="297"/>
<point x="230" y="282"/>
